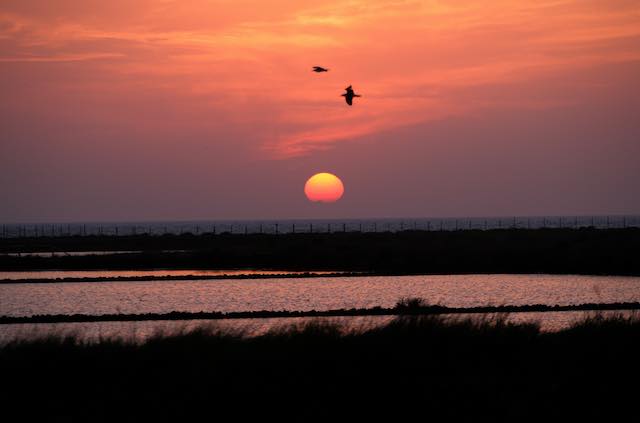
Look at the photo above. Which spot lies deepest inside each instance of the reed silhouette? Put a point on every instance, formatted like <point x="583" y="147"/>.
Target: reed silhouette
<point x="442" y="369"/>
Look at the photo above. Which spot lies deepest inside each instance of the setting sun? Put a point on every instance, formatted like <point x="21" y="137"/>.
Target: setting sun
<point x="324" y="188"/>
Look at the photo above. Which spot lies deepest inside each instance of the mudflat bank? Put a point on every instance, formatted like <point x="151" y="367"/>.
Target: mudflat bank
<point x="559" y="251"/>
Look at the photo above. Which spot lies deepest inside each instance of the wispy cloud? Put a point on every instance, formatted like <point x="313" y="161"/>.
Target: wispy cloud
<point x="414" y="61"/>
<point x="62" y="57"/>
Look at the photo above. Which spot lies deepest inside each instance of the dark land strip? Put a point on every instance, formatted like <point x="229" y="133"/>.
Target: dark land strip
<point x="554" y="251"/>
<point x="187" y="277"/>
<point x="398" y="310"/>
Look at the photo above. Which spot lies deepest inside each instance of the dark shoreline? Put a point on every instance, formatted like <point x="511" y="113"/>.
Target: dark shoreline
<point x="399" y="310"/>
<point x="552" y="251"/>
<point x="248" y="276"/>
<point x="188" y="277"/>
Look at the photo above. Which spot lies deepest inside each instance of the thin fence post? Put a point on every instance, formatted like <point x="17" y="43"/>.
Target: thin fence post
<point x="344" y="227"/>
<point x="310" y="228"/>
<point x="276" y="228"/>
<point x="293" y="228"/>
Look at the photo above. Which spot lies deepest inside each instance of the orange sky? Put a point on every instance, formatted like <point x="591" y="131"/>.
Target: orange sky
<point x="153" y="102"/>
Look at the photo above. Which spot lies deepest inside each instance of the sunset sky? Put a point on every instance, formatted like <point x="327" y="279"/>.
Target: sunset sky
<point x="136" y="109"/>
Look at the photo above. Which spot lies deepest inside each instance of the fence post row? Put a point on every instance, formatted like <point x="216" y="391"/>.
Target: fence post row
<point x="44" y="230"/>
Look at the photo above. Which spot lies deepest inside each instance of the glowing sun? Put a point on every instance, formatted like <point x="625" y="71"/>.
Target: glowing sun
<point x="324" y="188"/>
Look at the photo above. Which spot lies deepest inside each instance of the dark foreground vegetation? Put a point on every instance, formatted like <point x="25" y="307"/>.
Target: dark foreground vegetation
<point x="579" y="251"/>
<point x="404" y="307"/>
<point x="422" y="367"/>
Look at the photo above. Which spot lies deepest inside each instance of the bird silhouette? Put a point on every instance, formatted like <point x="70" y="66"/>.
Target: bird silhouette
<point x="320" y="69"/>
<point x="348" y="96"/>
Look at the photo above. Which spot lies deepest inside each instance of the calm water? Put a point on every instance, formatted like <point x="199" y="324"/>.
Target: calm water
<point x="319" y="293"/>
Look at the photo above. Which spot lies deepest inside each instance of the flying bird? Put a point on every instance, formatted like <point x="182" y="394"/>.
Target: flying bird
<point x="320" y="69"/>
<point x="348" y="96"/>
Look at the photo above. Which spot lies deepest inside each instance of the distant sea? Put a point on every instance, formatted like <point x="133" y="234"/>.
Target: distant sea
<point x="314" y="225"/>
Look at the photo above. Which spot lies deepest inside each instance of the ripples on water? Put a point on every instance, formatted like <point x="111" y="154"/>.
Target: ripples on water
<point x="319" y="293"/>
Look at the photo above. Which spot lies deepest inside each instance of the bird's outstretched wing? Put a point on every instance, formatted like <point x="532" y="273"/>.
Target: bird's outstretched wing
<point x="320" y="69"/>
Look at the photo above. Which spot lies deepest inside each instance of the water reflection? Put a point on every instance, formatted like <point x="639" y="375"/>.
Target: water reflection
<point x="319" y="293"/>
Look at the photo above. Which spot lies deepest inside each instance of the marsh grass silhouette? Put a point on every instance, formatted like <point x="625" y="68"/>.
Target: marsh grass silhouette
<point x="483" y="369"/>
